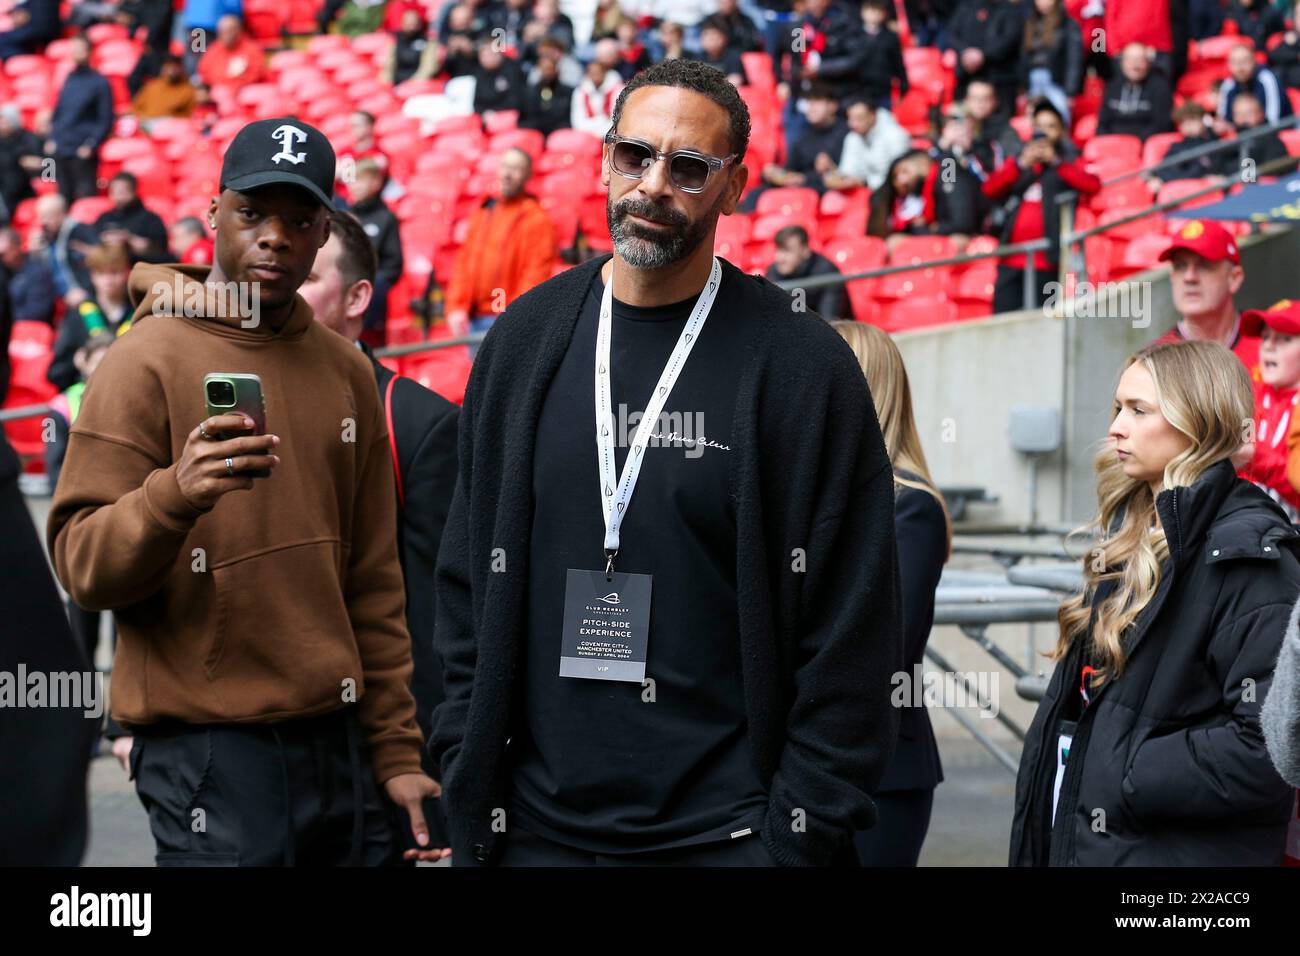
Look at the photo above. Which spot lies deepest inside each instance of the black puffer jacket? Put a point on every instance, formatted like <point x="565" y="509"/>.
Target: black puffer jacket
<point x="1168" y="764"/>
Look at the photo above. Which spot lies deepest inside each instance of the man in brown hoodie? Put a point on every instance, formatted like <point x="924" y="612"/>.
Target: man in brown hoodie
<point x="262" y="650"/>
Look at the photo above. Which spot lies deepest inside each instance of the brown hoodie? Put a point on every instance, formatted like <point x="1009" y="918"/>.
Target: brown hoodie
<point x="278" y="602"/>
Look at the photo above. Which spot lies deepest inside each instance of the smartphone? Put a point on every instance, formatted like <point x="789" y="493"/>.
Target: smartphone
<point x="230" y="393"/>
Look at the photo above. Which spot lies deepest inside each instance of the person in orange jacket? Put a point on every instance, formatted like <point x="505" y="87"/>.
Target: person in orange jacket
<point x="509" y="249"/>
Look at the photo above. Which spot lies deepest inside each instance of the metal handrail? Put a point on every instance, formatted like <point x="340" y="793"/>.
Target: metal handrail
<point x="1219" y="145"/>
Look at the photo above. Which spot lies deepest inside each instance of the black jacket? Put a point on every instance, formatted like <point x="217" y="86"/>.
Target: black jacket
<point x="16" y="182"/>
<point x="996" y="28"/>
<point x="833" y="35"/>
<point x="546" y="114"/>
<point x="381" y="226"/>
<point x="1198" y="167"/>
<point x="1168" y="765"/>
<point x="829" y="301"/>
<point x="1259" y="21"/>
<point x="499" y="89"/>
<point x="83" y="115"/>
<point x="424" y="429"/>
<point x="922" y="536"/>
<point x="818" y="641"/>
<point x="73" y="334"/>
<point x="1262" y="150"/>
<point x="44" y="751"/>
<point x="1284" y="61"/>
<point x="868" y="67"/>
<point x="1136" y="109"/>
<point x="138" y="220"/>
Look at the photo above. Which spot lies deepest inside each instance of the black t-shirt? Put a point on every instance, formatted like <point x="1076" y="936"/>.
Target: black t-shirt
<point x="596" y="764"/>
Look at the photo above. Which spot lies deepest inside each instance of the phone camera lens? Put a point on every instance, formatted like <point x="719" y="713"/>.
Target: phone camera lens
<point x="221" y="394"/>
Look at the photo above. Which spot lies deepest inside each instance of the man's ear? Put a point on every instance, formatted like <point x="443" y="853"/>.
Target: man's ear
<point x="358" y="299"/>
<point x="735" y="186"/>
<point x="1236" y="278"/>
<point x="604" y="165"/>
<point x="212" y="212"/>
<point x="325" y="236"/>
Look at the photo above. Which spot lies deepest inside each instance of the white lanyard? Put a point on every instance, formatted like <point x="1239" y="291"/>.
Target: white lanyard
<point x="616" y="493"/>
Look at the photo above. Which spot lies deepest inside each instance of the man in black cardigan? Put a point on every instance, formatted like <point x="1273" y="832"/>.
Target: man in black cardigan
<point x="750" y="719"/>
<point x="423" y="427"/>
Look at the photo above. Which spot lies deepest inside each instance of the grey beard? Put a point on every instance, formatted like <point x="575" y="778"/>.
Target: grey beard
<point x="641" y="250"/>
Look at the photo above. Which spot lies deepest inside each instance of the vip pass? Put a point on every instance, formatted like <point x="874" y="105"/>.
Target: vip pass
<point x="616" y="493"/>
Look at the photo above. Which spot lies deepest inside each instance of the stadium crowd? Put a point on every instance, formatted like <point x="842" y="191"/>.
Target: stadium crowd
<point x="476" y="150"/>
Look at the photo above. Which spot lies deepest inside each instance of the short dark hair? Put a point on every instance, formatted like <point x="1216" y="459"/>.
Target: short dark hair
<point x="859" y="101"/>
<point x="1189" y="109"/>
<point x="122" y="176"/>
<point x="821" y="91"/>
<point x="714" y="22"/>
<point x="1045" y="106"/>
<point x="700" y="78"/>
<point x="358" y="260"/>
<point x="786" y="233"/>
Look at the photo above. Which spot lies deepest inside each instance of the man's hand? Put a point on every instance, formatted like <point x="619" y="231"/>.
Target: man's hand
<point x="202" y="473"/>
<point x="122" y="751"/>
<point x="409" y="790"/>
<point x="139" y="244"/>
<point x="85" y="152"/>
<point x="823" y="163"/>
<point x="972" y="59"/>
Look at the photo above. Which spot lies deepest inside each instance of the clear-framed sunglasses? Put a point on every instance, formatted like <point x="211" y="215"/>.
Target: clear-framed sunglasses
<point x="688" y="170"/>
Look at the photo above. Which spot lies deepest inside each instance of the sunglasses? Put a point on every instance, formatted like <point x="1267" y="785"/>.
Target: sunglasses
<point x="688" y="170"/>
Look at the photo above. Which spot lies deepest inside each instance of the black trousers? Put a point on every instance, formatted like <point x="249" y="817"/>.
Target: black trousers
<point x="903" y="817"/>
<point x="525" y="848"/>
<point x="1009" y="289"/>
<point x="295" y="793"/>
<point x="76" y="177"/>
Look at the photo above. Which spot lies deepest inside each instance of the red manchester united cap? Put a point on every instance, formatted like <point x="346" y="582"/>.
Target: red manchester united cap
<point x="1283" y="316"/>
<point x="1205" y="238"/>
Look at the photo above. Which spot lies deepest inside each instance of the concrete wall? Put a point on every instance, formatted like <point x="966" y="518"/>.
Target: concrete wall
<point x="966" y="377"/>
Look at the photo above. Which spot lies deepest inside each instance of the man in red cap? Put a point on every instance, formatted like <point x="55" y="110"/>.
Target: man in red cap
<point x="1205" y="273"/>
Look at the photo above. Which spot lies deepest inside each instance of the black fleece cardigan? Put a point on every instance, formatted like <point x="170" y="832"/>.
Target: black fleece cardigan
<point x="816" y="569"/>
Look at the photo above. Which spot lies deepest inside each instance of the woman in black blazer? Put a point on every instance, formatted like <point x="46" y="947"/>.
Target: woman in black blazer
<point x="924" y="536"/>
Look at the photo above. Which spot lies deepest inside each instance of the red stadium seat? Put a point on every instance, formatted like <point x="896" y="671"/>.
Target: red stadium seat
<point x="1178" y="188"/>
<point x="919" y="313"/>
<point x="1291" y="139"/>
<point x="530" y="141"/>
<point x="1140" y="254"/>
<point x="795" y="201"/>
<point x="445" y="371"/>
<point x="1113" y="145"/>
<point x="974" y="293"/>
<point x="499" y="121"/>
<point x="1085" y="128"/>
<point x="758" y="69"/>
<point x="909" y="249"/>
<point x="1129" y="192"/>
<point x="1156" y="147"/>
<point x="89" y="208"/>
<point x="573" y="141"/>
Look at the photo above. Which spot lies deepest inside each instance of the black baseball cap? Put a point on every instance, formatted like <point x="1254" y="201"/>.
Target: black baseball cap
<point x="281" y="150"/>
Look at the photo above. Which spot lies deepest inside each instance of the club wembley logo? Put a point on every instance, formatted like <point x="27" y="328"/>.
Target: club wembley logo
<point x="610" y="598"/>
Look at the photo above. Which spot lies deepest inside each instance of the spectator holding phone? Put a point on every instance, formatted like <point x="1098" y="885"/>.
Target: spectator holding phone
<point x="1027" y="186"/>
<point x="263" y="661"/>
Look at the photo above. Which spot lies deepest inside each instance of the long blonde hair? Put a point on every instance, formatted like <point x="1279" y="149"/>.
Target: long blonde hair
<point x="1204" y="391"/>
<point x="882" y="364"/>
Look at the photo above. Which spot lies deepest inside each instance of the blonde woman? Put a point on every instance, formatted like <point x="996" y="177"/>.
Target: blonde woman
<point x="924" y="536"/>
<point x="1147" y="748"/>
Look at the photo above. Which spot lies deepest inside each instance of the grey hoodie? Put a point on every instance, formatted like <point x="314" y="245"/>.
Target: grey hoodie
<point x="1280" y="715"/>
